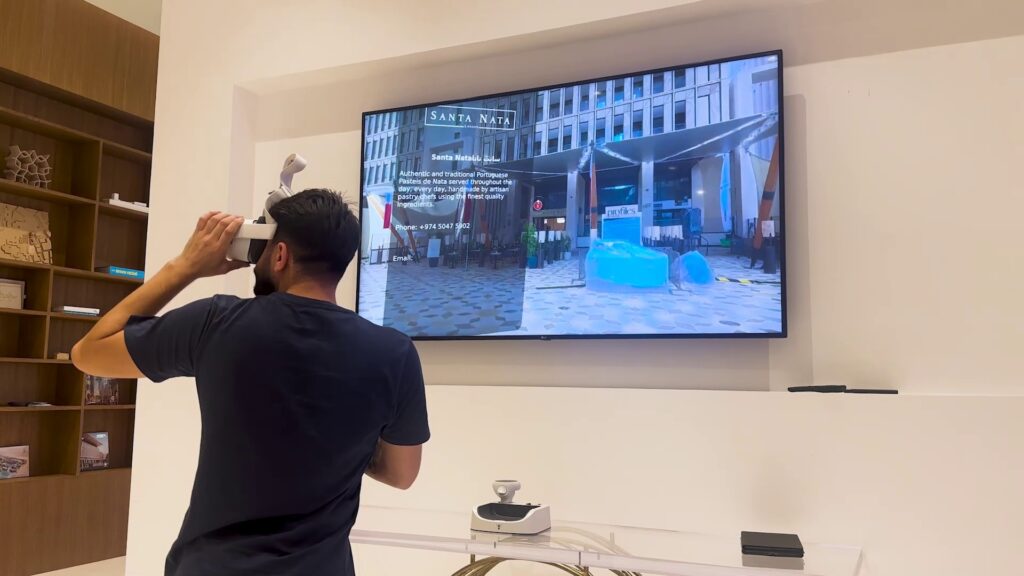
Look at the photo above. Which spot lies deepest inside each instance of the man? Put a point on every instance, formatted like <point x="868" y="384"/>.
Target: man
<point x="299" y="397"/>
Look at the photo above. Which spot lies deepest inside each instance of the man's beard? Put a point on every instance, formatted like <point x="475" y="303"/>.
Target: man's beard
<point x="264" y="285"/>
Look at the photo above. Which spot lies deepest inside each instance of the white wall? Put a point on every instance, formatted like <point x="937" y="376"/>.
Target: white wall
<point x="892" y="280"/>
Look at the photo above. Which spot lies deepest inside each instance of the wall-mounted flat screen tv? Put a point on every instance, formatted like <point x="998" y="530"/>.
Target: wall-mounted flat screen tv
<point x="647" y="204"/>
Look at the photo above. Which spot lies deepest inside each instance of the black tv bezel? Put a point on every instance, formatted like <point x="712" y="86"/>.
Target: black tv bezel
<point x="781" y="199"/>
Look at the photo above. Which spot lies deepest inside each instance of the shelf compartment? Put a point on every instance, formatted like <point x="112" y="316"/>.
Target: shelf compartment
<point x="21" y="335"/>
<point x="37" y="284"/>
<point x="120" y="427"/>
<point x="89" y="290"/>
<point x="125" y="174"/>
<point x="121" y="242"/>
<point x="63" y="334"/>
<point x="57" y="384"/>
<point x="73" y="156"/>
<point x="50" y="436"/>
<point x="72" y="228"/>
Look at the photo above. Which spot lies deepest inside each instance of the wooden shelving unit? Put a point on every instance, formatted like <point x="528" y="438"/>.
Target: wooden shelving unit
<point x="93" y="156"/>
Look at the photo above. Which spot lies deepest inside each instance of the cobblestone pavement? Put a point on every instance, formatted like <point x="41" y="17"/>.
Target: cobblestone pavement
<point x="474" y="301"/>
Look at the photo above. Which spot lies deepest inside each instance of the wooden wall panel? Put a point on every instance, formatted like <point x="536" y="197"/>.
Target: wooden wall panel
<point x="83" y="49"/>
<point x="64" y="521"/>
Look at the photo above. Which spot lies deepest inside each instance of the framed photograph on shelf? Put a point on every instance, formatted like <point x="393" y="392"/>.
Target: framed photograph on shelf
<point x="100" y="391"/>
<point x="12" y="294"/>
<point x="14" y="462"/>
<point x="95" y="452"/>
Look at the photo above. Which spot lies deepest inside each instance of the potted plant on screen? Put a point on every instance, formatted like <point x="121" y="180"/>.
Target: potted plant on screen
<point x="530" y="243"/>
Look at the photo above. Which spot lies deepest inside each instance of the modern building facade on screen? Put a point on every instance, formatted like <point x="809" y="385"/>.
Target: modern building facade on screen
<point x="687" y="147"/>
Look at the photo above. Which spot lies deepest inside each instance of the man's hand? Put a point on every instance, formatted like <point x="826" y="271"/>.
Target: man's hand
<point x="205" y="253"/>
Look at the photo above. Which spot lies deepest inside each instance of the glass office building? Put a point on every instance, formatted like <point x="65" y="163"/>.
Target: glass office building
<point x="689" y="146"/>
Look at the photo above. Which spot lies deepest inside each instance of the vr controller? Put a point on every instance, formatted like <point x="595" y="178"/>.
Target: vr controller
<point x="254" y="234"/>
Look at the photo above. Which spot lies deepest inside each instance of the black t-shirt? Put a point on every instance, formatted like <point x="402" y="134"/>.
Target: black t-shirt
<point x="294" y="394"/>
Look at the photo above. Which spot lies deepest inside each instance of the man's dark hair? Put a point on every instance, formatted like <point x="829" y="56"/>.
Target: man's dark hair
<point x="320" y="230"/>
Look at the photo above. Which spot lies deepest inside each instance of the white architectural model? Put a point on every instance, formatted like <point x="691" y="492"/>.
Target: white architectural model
<point x="28" y="167"/>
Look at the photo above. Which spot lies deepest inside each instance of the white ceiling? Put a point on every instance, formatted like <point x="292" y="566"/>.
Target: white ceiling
<point x="142" y="13"/>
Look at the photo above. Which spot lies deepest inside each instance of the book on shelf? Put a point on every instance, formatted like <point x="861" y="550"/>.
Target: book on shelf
<point x="95" y="453"/>
<point x="101" y="391"/>
<point x="122" y="272"/>
<point x="14" y="462"/>
<point x="78" y="310"/>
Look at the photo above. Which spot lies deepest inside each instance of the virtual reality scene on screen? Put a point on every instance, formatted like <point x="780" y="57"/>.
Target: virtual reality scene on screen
<point x="646" y="204"/>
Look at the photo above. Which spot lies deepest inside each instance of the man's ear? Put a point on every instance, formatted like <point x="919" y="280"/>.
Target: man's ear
<point x="280" y="257"/>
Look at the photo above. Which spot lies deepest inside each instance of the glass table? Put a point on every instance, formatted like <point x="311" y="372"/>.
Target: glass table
<point x="584" y="549"/>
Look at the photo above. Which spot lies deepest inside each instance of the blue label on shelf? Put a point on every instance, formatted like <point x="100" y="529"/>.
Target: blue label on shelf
<point x="123" y="272"/>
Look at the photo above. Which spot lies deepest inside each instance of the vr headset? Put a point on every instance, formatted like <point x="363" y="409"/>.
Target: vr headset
<point x="254" y="234"/>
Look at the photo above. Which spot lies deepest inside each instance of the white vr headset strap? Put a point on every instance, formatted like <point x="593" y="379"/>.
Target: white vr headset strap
<point x="293" y="164"/>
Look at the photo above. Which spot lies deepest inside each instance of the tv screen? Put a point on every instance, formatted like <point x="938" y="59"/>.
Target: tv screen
<point x="645" y="204"/>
